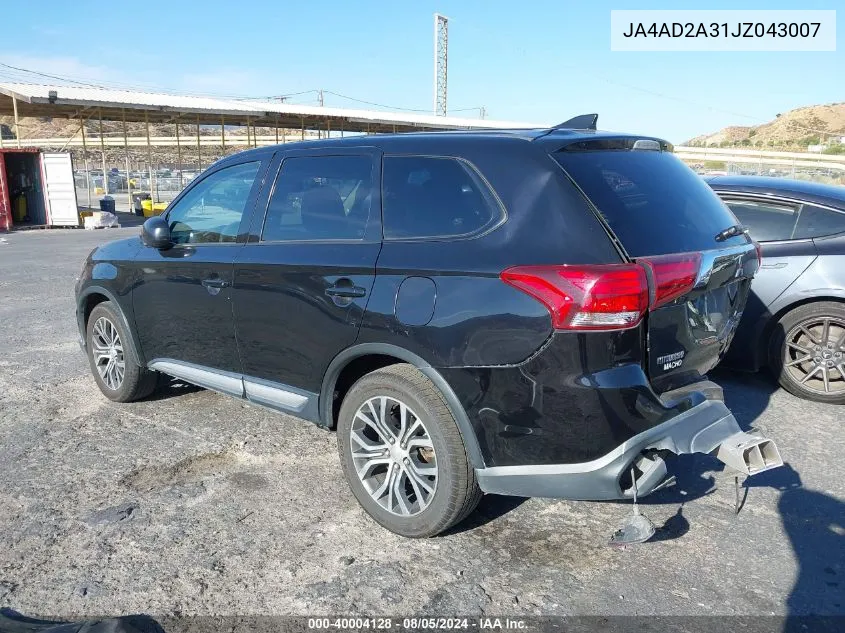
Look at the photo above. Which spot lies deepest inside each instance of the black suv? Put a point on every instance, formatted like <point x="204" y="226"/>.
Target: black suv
<point x="523" y="312"/>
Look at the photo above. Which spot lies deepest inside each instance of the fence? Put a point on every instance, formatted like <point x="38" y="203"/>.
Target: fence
<point x="119" y="166"/>
<point x="113" y="159"/>
<point x="161" y="181"/>
<point x="829" y="169"/>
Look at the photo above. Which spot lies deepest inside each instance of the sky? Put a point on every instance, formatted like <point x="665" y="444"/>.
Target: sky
<point x="533" y="61"/>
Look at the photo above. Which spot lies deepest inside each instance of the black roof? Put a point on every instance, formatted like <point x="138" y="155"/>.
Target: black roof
<point x="830" y="195"/>
<point x="415" y="141"/>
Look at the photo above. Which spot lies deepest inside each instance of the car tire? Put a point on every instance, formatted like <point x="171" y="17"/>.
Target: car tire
<point x="802" y="351"/>
<point x="431" y="443"/>
<point x="111" y="358"/>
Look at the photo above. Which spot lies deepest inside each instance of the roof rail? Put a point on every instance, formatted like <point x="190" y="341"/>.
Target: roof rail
<point x="580" y="122"/>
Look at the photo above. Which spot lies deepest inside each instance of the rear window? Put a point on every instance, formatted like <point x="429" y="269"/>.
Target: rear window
<point x="654" y="203"/>
<point x="435" y="197"/>
<point x="766" y="221"/>
<point x="814" y="221"/>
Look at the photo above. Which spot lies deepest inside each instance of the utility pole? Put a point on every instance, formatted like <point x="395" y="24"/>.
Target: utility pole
<point x="483" y="112"/>
<point x="320" y="98"/>
<point x="441" y="59"/>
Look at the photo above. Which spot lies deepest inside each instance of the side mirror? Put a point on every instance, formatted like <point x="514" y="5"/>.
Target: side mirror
<point x="156" y="233"/>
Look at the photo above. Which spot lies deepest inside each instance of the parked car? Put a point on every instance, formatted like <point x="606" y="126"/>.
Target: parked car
<point x="794" y="322"/>
<point x="518" y="312"/>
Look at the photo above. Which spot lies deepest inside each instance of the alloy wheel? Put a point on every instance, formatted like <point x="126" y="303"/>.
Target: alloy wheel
<point x="108" y="353"/>
<point x="814" y="354"/>
<point x="393" y="455"/>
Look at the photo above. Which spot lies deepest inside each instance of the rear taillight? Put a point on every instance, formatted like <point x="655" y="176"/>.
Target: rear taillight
<point x="595" y="297"/>
<point x="673" y="275"/>
<point x="759" y="250"/>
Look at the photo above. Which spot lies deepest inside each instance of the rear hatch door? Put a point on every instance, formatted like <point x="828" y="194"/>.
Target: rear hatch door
<point x="665" y="217"/>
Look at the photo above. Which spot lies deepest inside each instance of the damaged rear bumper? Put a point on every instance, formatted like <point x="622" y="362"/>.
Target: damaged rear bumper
<point x="708" y="427"/>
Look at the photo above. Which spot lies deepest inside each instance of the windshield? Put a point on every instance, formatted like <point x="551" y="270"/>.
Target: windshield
<point x="653" y="202"/>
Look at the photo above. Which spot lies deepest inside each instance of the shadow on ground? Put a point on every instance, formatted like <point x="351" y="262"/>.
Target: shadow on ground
<point x="815" y="524"/>
<point x="168" y="387"/>
<point x="491" y="508"/>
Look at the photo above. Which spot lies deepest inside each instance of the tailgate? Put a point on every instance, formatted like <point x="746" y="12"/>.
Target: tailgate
<point x="689" y="335"/>
<point x="663" y="216"/>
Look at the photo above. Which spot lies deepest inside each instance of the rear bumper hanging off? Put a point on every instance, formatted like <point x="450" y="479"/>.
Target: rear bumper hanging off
<point x="708" y="427"/>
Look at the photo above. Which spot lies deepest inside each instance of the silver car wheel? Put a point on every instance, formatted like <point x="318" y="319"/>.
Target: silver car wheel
<point x="107" y="349"/>
<point x="814" y="355"/>
<point x="393" y="455"/>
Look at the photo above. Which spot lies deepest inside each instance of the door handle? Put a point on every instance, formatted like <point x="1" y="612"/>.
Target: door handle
<point x="346" y="290"/>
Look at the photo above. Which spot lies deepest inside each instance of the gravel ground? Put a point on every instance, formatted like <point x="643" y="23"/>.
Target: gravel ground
<point x="193" y="503"/>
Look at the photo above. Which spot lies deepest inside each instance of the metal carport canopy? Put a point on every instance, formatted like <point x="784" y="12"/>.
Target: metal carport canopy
<point x="74" y="102"/>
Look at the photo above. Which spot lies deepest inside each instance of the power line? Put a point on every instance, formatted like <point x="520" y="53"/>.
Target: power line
<point x="35" y="72"/>
<point x="692" y="102"/>
<point x="16" y="70"/>
<point x="21" y="74"/>
<point x="391" y="107"/>
<point x="373" y="103"/>
<point x="111" y="85"/>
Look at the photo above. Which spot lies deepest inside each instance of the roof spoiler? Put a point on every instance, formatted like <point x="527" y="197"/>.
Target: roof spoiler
<point x="580" y="122"/>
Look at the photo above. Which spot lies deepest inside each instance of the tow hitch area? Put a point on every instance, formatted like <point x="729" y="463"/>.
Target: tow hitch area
<point x="636" y="527"/>
<point x="749" y="454"/>
<point x="746" y="453"/>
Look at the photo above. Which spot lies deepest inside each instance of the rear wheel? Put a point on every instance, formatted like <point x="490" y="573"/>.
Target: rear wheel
<point x="403" y="455"/>
<point x="808" y="352"/>
<point x="117" y="375"/>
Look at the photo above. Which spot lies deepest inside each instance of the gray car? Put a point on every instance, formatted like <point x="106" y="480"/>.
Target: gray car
<point x="794" y="321"/>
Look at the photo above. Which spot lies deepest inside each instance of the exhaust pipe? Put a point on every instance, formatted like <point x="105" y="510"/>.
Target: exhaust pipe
<point x="749" y="454"/>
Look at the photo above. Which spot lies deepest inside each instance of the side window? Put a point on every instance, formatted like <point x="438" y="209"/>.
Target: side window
<point x="435" y="197"/>
<point x="766" y="221"/>
<point x="320" y="198"/>
<point x="814" y="221"/>
<point x="211" y="211"/>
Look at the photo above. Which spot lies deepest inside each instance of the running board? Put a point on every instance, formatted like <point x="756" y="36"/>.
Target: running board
<point x="273" y="395"/>
<point x="225" y="382"/>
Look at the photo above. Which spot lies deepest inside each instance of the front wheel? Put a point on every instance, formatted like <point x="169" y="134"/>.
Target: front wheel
<point x="403" y="455"/>
<point x="117" y="375"/>
<point x="808" y="352"/>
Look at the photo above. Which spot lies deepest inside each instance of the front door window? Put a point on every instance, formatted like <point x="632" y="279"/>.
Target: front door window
<point x="211" y="211"/>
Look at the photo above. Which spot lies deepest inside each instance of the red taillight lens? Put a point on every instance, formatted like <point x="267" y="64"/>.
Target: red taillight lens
<point x="673" y="275"/>
<point x="759" y="250"/>
<point x="598" y="297"/>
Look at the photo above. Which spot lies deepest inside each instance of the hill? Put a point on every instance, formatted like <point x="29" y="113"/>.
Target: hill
<point x="792" y="130"/>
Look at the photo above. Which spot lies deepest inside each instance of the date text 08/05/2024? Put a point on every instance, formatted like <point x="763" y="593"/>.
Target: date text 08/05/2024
<point x="417" y="623"/>
<point x="722" y="29"/>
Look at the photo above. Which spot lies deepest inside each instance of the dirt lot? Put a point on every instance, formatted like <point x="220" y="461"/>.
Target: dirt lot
<point x="192" y="503"/>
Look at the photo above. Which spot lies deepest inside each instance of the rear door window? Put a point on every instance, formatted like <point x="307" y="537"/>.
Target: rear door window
<point x="816" y="221"/>
<point x="654" y="203"/>
<point x="320" y="198"/>
<point x="765" y="221"/>
<point x="435" y="197"/>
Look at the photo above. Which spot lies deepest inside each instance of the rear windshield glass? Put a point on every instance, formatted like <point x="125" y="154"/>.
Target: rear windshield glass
<point x="653" y="202"/>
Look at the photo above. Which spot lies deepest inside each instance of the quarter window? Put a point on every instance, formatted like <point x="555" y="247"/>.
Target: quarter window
<point x="814" y="221"/>
<point x="435" y="197"/>
<point x="320" y="198"/>
<point x="765" y="221"/>
<point x="211" y="211"/>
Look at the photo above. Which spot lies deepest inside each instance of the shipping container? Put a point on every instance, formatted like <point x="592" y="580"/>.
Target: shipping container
<point x="36" y="189"/>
